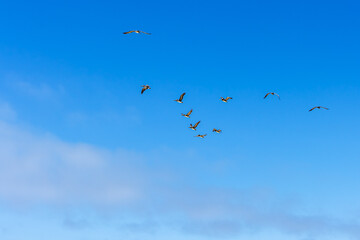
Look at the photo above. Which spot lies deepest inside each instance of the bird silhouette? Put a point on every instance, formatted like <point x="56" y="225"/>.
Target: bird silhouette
<point x="188" y="114"/>
<point x="225" y="99"/>
<point x="195" y="126"/>
<point x="217" y="130"/>
<point x="318" y="107"/>
<point x="180" y="99"/>
<point x="144" y="88"/>
<point x="200" y="136"/>
<point x="272" y="93"/>
<point x="137" y="31"/>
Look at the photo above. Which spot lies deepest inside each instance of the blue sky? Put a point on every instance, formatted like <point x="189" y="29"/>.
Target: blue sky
<point x="84" y="155"/>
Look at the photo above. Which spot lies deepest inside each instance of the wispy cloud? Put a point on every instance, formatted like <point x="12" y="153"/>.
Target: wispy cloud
<point x="233" y="219"/>
<point x="6" y="111"/>
<point x="76" y="224"/>
<point x="41" y="169"/>
<point x="128" y="115"/>
<point x="45" y="169"/>
<point x="147" y="227"/>
<point x="39" y="89"/>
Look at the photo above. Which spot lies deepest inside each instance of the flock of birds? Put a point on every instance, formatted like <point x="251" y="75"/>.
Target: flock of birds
<point x="225" y="100"/>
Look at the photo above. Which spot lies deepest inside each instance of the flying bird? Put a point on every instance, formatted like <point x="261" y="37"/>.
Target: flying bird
<point x="200" y="136"/>
<point x="144" y="88"/>
<point x="195" y="126"/>
<point x="188" y="114"/>
<point x="180" y="99"/>
<point x="217" y="130"/>
<point x="272" y="93"/>
<point x="137" y="31"/>
<point x="318" y="107"/>
<point x="225" y="99"/>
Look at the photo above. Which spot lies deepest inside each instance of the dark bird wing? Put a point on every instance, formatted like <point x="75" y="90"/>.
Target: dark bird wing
<point x="143" y="90"/>
<point x="196" y="124"/>
<point x="312" y="109"/>
<point x="129" y="32"/>
<point x="189" y="112"/>
<point x="266" y="95"/>
<point x="182" y="96"/>
<point x="228" y="98"/>
<point x="146" y="33"/>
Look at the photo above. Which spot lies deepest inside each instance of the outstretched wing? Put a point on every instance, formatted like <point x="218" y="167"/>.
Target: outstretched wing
<point x="277" y="95"/>
<point x="266" y="95"/>
<point x="312" y="109"/>
<point x="189" y="112"/>
<point x="129" y="32"/>
<point x="214" y="130"/>
<point x="182" y="96"/>
<point x="143" y="90"/>
<point x="146" y="33"/>
<point x="196" y="124"/>
<point x="228" y="98"/>
<point x="325" y="108"/>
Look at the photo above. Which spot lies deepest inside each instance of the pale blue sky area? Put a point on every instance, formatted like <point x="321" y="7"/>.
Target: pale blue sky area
<point x="85" y="156"/>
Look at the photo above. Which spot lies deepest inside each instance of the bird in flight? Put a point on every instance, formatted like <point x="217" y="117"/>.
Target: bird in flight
<point x="137" y="31"/>
<point x="195" y="126"/>
<point x="188" y="114"/>
<point x="225" y="99"/>
<point x="272" y="93"/>
<point x="200" y="136"/>
<point x="144" y="88"/>
<point x="318" y="107"/>
<point x="217" y="130"/>
<point x="180" y="99"/>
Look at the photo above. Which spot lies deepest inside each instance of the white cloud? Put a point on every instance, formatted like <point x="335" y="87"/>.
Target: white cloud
<point x="41" y="169"/>
<point x="45" y="169"/>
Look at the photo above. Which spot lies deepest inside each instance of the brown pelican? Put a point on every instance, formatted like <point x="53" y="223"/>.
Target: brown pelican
<point x="144" y="88"/>
<point x="188" y="114"/>
<point x="272" y="93"/>
<point x="200" y="136"/>
<point x="225" y="99"/>
<point x="217" y="130"/>
<point x="180" y="99"/>
<point x="195" y="126"/>
<point x="136" y="31"/>
<point x="318" y="107"/>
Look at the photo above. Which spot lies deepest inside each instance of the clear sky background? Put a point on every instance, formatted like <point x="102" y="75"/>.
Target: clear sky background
<point x="85" y="156"/>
